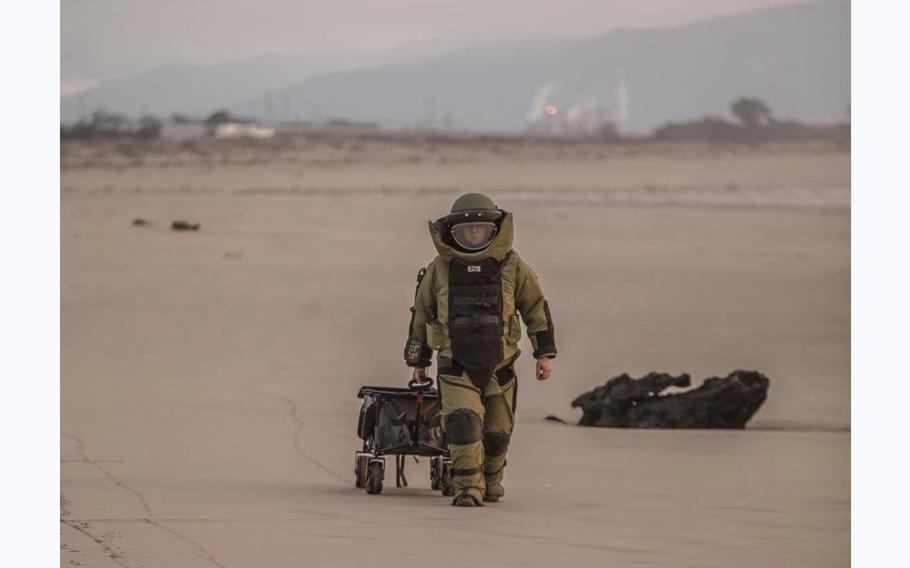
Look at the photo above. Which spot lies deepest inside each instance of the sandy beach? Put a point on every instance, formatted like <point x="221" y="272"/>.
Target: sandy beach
<point x="208" y="378"/>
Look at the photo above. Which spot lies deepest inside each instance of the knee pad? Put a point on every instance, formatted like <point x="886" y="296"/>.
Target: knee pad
<point x="495" y="444"/>
<point x="464" y="427"/>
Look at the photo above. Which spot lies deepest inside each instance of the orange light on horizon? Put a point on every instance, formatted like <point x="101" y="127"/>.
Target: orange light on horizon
<point x="550" y="109"/>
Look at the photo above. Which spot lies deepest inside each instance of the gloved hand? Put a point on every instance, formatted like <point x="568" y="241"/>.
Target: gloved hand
<point x="544" y="368"/>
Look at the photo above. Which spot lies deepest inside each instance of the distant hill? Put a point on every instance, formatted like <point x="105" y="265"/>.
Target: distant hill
<point x="796" y="58"/>
<point x="200" y="89"/>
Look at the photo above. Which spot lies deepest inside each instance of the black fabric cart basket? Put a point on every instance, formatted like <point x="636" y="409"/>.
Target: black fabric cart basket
<point x="401" y="422"/>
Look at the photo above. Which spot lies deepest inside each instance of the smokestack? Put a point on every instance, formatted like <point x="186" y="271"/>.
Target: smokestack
<point x="540" y="102"/>
<point x="622" y="103"/>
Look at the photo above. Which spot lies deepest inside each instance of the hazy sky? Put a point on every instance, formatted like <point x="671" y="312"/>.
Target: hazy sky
<point x="101" y="39"/>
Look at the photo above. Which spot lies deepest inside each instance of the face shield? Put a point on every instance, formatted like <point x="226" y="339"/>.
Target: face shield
<point x="474" y="235"/>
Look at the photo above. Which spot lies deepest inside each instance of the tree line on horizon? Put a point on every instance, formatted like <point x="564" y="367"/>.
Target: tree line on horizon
<point x="754" y="123"/>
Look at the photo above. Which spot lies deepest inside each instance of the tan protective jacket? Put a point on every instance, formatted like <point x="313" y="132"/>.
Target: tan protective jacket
<point x="521" y="294"/>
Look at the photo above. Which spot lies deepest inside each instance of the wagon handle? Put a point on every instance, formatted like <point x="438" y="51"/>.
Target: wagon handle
<point x="417" y="385"/>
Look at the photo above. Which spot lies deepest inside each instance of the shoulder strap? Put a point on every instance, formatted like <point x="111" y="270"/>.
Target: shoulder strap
<point x="420" y="274"/>
<point x="502" y="265"/>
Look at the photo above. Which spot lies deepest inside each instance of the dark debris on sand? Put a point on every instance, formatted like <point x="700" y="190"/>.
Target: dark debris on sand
<point x="184" y="226"/>
<point x="624" y="402"/>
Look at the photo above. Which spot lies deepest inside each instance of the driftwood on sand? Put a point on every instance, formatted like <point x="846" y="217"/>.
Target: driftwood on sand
<point x="184" y="226"/>
<point x="624" y="402"/>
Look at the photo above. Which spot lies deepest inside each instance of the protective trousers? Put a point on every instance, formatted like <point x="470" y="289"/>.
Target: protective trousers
<point x="478" y="424"/>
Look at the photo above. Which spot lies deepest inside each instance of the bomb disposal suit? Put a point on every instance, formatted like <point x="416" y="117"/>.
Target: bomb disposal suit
<point x="467" y="308"/>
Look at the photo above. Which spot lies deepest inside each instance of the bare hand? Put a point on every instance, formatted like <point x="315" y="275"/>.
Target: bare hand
<point x="544" y="368"/>
<point x="419" y="374"/>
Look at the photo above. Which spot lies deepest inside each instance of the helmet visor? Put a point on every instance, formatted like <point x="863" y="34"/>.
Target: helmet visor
<point x="474" y="236"/>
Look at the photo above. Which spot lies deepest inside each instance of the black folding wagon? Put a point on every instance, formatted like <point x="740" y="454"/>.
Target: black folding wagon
<point x="401" y="422"/>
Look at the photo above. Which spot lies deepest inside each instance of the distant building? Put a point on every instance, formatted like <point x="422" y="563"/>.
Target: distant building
<point x="586" y="119"/>
<point x="185" y="130"/>
<point x="222" y="124"/>
<point x="242" y="130"/>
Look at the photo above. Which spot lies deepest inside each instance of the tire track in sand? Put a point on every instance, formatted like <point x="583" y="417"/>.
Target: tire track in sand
<point x="80" y="451"/>
<point x="202" y="550"/>
<point x="108" y="548"/>
<point x="292" y="412"/>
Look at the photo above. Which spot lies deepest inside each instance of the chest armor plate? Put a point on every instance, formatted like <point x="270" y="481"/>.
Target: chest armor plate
<point x="475" y="316"/>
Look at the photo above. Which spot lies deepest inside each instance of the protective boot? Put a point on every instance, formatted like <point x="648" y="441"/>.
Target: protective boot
<point x="493" y="466"/>
<point x="466" y="500"/>
<point x="493" y="473"/>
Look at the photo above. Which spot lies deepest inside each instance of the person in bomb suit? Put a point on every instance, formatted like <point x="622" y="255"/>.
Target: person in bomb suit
<point x="466" y="308"/>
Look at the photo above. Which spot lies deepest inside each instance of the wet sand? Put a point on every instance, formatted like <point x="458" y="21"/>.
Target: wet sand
<point x="208" y="380"/>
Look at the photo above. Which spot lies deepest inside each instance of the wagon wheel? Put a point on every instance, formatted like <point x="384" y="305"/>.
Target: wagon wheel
<point x="375" y="473"/>
<point x="445" y="483"/>
<point x="361" y="466"/>
<point x="435" y="474"/>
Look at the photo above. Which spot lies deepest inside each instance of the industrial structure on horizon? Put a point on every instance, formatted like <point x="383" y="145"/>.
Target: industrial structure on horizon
<point x="585" y="118"/>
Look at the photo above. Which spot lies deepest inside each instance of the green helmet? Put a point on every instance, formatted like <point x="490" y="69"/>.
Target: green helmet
<point x="473" y="221"/>
<point x="470" y="201"/>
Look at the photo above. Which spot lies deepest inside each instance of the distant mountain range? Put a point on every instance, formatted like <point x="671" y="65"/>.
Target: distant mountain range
<point x="796" y="58"/>
<point x="200" y="89"/>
